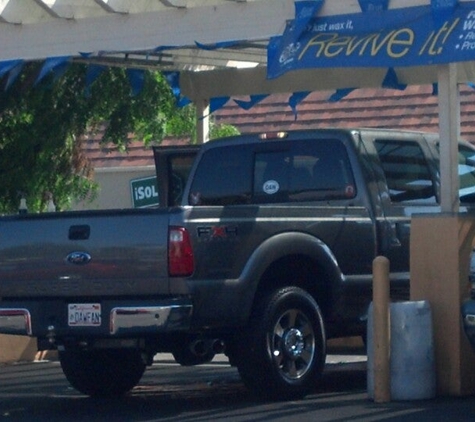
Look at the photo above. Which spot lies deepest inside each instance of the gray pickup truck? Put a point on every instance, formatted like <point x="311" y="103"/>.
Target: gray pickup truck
<point x="262" y="248"/>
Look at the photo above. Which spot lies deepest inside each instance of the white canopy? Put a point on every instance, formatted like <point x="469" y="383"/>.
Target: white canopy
<point x="134" y="32"/>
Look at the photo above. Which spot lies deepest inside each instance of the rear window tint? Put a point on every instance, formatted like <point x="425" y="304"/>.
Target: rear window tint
<point x="309" y="170"/>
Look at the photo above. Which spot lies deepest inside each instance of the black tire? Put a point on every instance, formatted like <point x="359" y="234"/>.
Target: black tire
<point x="102" y="373"/>
<point x="282" y="353"/>
<point x="185" y="357"/>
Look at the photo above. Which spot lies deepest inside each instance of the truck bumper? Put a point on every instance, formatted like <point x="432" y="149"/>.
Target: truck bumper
<point x="117" y="319"/>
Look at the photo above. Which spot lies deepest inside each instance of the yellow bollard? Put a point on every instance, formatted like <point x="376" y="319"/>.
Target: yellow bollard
<point x="381" y="330"/>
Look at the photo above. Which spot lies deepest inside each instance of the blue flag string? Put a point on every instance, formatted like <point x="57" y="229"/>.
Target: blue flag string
<point x="50" y="65"/>
<point x="391" y="81"/>
<point x="13" y="74"/>
<point x="253" y="100"/>
<point x="295" y="99"/>
<point x="137" y="80"/>
<point x="340" y="94"/>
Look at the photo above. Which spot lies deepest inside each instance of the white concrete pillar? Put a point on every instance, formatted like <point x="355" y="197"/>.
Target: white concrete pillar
<point x="202" y="119"/>
<point x="449" y="130"/>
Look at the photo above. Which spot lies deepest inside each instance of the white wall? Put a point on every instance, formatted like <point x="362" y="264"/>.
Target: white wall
<point x="114" y="187"/>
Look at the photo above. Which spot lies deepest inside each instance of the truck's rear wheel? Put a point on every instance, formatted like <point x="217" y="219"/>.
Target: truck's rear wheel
<point x="282" y="354"/>
<point x="102" y="373"/>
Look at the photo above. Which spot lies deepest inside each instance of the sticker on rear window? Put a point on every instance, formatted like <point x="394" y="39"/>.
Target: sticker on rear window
<point x="270" y="187"/>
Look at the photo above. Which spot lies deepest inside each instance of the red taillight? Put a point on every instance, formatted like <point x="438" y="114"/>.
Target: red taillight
<point x="180" y="253"/>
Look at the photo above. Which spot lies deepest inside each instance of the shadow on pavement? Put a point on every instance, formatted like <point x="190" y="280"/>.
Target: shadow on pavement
<point x="213" y="392"/>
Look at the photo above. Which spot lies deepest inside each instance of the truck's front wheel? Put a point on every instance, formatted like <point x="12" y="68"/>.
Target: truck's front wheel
<point x="282" y="354"/>
<point x="102" y="373"/>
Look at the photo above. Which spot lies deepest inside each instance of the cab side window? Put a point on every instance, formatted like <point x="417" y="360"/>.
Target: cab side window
<point x="406" y="171"/>
<point x="466" y="172"/>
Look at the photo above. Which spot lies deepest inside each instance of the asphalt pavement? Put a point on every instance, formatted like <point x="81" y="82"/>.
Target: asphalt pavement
<point x="38" y="391"/>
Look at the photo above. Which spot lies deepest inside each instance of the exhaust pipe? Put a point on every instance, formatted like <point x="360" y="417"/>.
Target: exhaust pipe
<point x="199" y="347"/>
<point x="202" y="347"/>
<point x="217" y="346"/>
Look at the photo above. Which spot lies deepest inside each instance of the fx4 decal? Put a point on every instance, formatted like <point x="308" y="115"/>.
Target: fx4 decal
<point x="206" y="233"/>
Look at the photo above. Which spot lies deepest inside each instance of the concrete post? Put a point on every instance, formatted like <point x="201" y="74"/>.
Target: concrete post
<point x="440" y="249"/>
<point x="381" y="330"/>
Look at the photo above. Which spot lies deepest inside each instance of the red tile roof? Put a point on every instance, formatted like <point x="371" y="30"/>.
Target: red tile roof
<point x="415" y="108"/>
<point x="109" y="155"/>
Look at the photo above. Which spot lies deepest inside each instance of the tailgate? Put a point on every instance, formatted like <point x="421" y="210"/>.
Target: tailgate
<point x="113" y="253"/>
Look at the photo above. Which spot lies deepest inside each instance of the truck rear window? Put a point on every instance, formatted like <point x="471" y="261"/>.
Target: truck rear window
<point x="307" y="170"/>
<point x="223" y="177"/>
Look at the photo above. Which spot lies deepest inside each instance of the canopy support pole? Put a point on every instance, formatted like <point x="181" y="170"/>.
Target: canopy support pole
<point x="440" y="248"/>
<point x="449" y="130"/>
<point x="202" y="121"/>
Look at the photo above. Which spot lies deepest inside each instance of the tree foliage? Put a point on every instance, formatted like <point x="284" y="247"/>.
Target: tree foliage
<point x="42" y="127"/>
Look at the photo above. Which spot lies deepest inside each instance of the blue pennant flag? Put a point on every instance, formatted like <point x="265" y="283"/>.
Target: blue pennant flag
<point x="53" y="64"/>
<point x="136" y="79"/>
<point x="253" y="100"/>
<point x="295" y="99"/>
<point x="216" y="46"/>
<point x="8" y="65"/>
<point x="13" y="74"/>
<point x="442" y="10"/>
<point x="173" y="79"/>
<point x="60" y="70"/>
<point x="339" y="94"/>
<point x="391" y="80"/>
<point x="305" y="10"/>
<point x="367" y="5"/>
<point x="165" y="47"/>
<point x="92" y="73"/>
<point x="217" y="103"/>
<point x="183" y="102"/>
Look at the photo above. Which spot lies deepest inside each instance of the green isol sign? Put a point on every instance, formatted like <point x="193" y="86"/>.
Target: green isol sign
<point x="144" y="192"/>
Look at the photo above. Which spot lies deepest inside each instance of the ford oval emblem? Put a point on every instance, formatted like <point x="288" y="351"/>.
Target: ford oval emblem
<point x="78" y="258"/>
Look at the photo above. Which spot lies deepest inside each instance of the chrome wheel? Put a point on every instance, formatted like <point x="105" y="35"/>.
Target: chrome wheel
<point x="292" y="344"/>
<point x="281" y="354"/>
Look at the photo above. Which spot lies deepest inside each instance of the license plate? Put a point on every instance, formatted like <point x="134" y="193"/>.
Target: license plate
<point x="84" y="314"/>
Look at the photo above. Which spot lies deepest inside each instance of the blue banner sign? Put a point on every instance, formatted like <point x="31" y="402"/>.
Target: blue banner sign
<point x="412" y="36"/>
